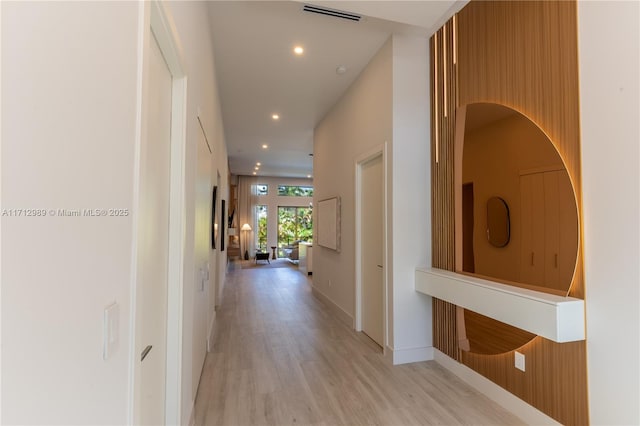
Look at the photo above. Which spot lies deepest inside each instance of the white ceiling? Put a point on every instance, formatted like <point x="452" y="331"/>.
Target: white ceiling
<point x="259" y="75"/>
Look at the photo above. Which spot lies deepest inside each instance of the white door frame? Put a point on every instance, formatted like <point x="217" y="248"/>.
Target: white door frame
<point x="153" y="18"/>
<point x="380" y="150"/>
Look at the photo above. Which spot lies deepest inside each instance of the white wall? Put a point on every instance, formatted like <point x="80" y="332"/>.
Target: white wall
<point x="388" y="102"/>
<point x="69" y="97"/>
<point x="68" y="129"/>
<point x="411" y="205"/>
<point x="609" y="107"/>
<point x="360" y="121"/>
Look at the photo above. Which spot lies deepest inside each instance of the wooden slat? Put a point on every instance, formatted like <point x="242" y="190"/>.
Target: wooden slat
<point x="554" y="381"/>
<point x="442" y="149"/>
<point x="522" y="55"/>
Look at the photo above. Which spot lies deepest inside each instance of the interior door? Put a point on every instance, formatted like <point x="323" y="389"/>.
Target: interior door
<point x="568" y="226"/>
<point x="468" y="256"/>
<point x="372" y="226"/>
<point x="533" y="218"/>
<point x="154" y="242"/>
<point x="549" y="229"/>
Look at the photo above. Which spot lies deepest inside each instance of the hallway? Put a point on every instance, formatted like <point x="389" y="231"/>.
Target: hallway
<point x="280" y="357"/>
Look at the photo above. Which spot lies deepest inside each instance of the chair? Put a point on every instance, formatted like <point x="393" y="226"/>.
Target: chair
<point x="291" y="252"/>
<point x="261" y="255"/>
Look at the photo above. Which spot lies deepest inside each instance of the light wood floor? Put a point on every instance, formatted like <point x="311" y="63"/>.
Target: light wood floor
<point x="281" y="358"/>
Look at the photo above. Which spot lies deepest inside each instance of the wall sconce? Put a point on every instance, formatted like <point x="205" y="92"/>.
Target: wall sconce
<point x="245" y="228"/>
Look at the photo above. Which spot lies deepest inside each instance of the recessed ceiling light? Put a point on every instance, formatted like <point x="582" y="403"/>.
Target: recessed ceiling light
<point x="309" y="176"/>
<point x="255" y="173"/>
<point x="298" y="50"/>
<point x="275" y="117"/>
<point x="258" y="164"/>
<point x="265" y="146"/>
<point x="256" y="168"/>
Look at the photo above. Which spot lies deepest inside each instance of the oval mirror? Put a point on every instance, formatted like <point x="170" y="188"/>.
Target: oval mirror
<point x="497" y="222"/>
<point x="528" y="236"/>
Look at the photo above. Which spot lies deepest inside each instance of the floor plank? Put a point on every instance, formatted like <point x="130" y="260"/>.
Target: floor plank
<point x="279" y="357"/>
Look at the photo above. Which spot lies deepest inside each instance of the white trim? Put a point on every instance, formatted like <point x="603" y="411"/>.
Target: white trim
<point x="506" y="399"/>
<point x="210" y="332"/>
<point x="191" y="419"/>
<point x="378" y="151"/>
<point x="134" y="371"/>
<point x="409" y="355"/>
<point x="155" y="22"/>
<point x="342" y="315"/>
<point x="1" y="223"/>
<point x="166" y="35"/>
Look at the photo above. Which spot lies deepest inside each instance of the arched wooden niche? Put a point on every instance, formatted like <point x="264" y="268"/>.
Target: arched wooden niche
<point x="503" y="155"/>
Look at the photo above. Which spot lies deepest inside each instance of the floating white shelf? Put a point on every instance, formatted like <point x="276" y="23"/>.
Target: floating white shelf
<point x="556" y="318"/>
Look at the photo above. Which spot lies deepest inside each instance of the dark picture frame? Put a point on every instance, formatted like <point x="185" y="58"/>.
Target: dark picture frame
<point x="214" y="218"/>
<point x="222" y="221"/>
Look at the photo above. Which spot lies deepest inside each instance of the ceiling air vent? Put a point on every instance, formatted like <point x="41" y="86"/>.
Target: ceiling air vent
<point x="331" y="12"/>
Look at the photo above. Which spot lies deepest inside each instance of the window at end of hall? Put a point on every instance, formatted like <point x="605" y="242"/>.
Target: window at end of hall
<point x="262" y="189"/>
<point x="295" y="191"/>
<point x="294" y="224"/>
<point x="261" y="235"/>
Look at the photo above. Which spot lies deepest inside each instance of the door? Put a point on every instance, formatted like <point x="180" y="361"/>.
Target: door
<point x="532" y="225"/>
<point x="153" y="240"/>
<point x="468" y="256"/>
<point x="549" y="230"/>
<point x="372" y="228"/>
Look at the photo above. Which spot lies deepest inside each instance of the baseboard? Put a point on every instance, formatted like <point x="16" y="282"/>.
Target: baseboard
<point x="210" y="332"/>
<point x="191" y="420"/>
<point x="409" y="355"/>
<point x="340" y="313"/>
<point x="506" y="399"/>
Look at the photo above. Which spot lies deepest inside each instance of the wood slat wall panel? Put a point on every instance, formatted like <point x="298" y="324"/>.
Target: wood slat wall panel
<point x="522" y="55"/>
<point x="525" y="55"/>
<point x="442" y="180"/>
<point x="554" y="381"/>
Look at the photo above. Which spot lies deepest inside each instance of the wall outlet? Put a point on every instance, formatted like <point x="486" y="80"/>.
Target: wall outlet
<point x="519" y="360"/>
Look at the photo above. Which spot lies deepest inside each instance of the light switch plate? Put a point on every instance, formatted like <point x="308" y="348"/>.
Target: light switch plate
<point x="519" y="360"/>
<point x="110" y="334"/>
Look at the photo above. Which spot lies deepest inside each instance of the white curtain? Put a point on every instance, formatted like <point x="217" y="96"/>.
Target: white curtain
<point x="247" y="200"/>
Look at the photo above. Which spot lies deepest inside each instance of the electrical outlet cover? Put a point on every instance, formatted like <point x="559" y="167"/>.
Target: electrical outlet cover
<point x="519" y="360"/>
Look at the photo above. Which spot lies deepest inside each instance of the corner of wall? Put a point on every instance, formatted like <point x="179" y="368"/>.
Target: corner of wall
<point x="410" y="355"/>
<point x="410" y="237"/>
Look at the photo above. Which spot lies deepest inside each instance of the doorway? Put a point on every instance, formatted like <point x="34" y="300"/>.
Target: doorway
<point x="370" y="247"/>
<point x="153" y="242"/>
<point x="156" y="328"/>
